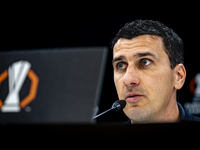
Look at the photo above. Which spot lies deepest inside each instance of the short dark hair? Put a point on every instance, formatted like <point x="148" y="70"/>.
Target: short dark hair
<point x="172" y="42"/>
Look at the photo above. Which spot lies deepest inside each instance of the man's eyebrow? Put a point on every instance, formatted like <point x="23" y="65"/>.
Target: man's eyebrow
<point x="118" y="59"/>
<point x="138" y="55"/>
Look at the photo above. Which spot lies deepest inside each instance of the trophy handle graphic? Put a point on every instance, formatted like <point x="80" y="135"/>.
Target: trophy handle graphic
<point x="17" y="73"/>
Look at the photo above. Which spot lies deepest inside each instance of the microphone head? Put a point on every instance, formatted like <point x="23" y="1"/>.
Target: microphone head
<point x="118" y="105"/>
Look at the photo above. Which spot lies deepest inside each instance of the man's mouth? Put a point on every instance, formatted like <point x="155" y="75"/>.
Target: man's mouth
<point x="133" y="97"/>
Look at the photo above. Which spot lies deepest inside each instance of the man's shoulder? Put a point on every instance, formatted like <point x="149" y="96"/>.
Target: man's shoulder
<point x="189" y="117"/>
<point x="185" y="116"/>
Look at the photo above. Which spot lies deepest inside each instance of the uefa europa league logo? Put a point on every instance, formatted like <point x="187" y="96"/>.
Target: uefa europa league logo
<point x="17" y="74"/>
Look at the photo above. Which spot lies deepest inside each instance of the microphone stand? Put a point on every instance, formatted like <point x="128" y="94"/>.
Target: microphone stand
<point x="117" y="105"/>
<point x="103" y="113"/>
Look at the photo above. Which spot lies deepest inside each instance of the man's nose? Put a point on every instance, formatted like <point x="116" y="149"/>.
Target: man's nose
<point x="130" y="77"/>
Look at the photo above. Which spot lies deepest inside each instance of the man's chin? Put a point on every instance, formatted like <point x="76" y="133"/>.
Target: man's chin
<point x="137" y="114"/>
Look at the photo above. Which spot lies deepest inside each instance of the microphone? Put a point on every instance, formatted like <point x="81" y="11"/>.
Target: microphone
<point x="117" y="105"/>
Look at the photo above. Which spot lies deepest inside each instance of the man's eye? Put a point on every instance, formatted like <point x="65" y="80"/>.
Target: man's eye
<point x="145" y="62"/>
<point x="121" y="66"/>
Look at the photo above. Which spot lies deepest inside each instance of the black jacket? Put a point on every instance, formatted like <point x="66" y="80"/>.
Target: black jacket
<point x="184" y="116"/>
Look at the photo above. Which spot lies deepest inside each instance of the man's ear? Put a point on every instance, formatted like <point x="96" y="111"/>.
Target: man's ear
<point x="180" y="75"/>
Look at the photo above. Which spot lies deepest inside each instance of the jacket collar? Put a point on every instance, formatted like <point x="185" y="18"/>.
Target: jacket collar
<point x="181" y="111"/>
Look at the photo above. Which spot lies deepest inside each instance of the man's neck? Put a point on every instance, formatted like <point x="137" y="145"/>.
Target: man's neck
<point x="171" y="113"/>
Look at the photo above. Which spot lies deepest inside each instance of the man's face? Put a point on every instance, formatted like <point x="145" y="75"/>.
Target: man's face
<point x="143" y="77"/>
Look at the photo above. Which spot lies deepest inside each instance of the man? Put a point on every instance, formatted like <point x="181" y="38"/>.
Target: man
<point x="148" y="71"/>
